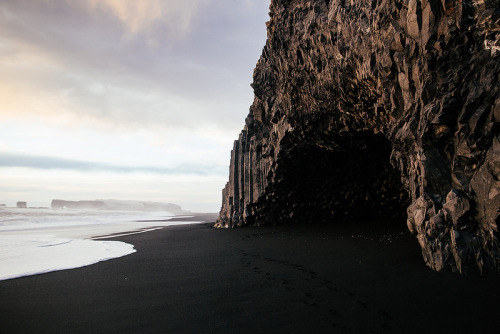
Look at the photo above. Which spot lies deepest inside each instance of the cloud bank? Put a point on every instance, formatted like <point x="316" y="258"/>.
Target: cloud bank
<point x="174" y="63"/>
<point x="47" y="162"/>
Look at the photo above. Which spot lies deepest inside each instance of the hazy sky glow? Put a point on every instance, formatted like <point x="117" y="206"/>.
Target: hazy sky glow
<point x="124" y="99"/>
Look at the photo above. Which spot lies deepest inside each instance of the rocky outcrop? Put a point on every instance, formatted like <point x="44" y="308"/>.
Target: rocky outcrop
<point x="90" y="205"/>
<point x="117" y="205"/>
<point x="378" y="108"/>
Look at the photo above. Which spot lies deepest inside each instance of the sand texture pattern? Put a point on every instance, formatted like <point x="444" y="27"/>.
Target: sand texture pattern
<point x="285" y="279"/>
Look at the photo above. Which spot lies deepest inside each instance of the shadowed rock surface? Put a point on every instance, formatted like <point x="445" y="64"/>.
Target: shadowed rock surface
<point x="377" y="109"/>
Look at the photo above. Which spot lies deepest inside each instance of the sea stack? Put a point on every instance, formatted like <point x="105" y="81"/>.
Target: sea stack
<point x="22" y="205"/>
<point x="377" y="109"/>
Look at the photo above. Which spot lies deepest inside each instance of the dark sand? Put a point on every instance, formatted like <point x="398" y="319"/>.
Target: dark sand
<point x="347" y="278"/>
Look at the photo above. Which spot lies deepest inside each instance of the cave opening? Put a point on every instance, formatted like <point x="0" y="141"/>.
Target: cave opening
<point x="353" y="180"/>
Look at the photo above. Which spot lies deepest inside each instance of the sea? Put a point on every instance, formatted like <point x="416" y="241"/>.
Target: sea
<point x="40" y="240"/>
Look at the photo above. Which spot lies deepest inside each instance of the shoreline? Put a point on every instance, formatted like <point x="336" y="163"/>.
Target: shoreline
<point x="345" y="278"/>
<point x="195" y="218"/>
<point x="32" y="249"/>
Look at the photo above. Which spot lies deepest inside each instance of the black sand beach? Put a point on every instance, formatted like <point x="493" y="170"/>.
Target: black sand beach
<point x="346" y="278"/>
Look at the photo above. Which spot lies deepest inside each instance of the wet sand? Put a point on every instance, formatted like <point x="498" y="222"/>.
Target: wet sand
<point x="345" y="278"/>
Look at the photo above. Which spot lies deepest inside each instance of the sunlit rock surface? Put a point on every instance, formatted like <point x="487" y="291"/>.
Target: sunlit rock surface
<point x="376" y="109"/>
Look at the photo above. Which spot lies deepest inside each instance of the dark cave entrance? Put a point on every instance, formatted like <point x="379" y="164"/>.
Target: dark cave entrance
<point x="354" y="181"/>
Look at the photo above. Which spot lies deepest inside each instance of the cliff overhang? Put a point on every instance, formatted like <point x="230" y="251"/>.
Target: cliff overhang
<point x="377" y="109"/>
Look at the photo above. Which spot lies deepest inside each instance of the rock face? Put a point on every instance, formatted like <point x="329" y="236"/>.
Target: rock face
<point x="374" y="109"/>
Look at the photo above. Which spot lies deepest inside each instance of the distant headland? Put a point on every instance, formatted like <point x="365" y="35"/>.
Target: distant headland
<point x="119" y="205"/>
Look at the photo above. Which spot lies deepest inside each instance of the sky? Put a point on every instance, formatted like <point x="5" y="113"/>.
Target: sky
<point x="124" y="99"/>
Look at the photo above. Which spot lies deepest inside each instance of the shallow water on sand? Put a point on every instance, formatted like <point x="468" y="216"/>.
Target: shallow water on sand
<point x="35" y="241"/>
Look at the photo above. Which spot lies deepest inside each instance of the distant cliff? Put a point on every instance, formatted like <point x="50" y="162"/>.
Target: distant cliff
<point x="376" y="109"/>
<point x="117" y="205"/>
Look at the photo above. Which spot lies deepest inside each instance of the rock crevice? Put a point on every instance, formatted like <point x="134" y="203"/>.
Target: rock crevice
<point x="377" y="109"/>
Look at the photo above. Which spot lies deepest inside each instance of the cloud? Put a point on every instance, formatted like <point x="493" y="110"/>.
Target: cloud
<point x="49" y="163"/>
<point x="141" y="16"/>
<point x="94" y="60"/>
<point x="136" y="15"/>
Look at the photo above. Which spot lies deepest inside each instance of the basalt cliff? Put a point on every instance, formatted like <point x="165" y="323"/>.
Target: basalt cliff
<point x="377" y="109"/>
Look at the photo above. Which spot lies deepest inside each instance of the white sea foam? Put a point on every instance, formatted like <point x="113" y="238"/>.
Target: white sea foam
<point x="35" y="241"/>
